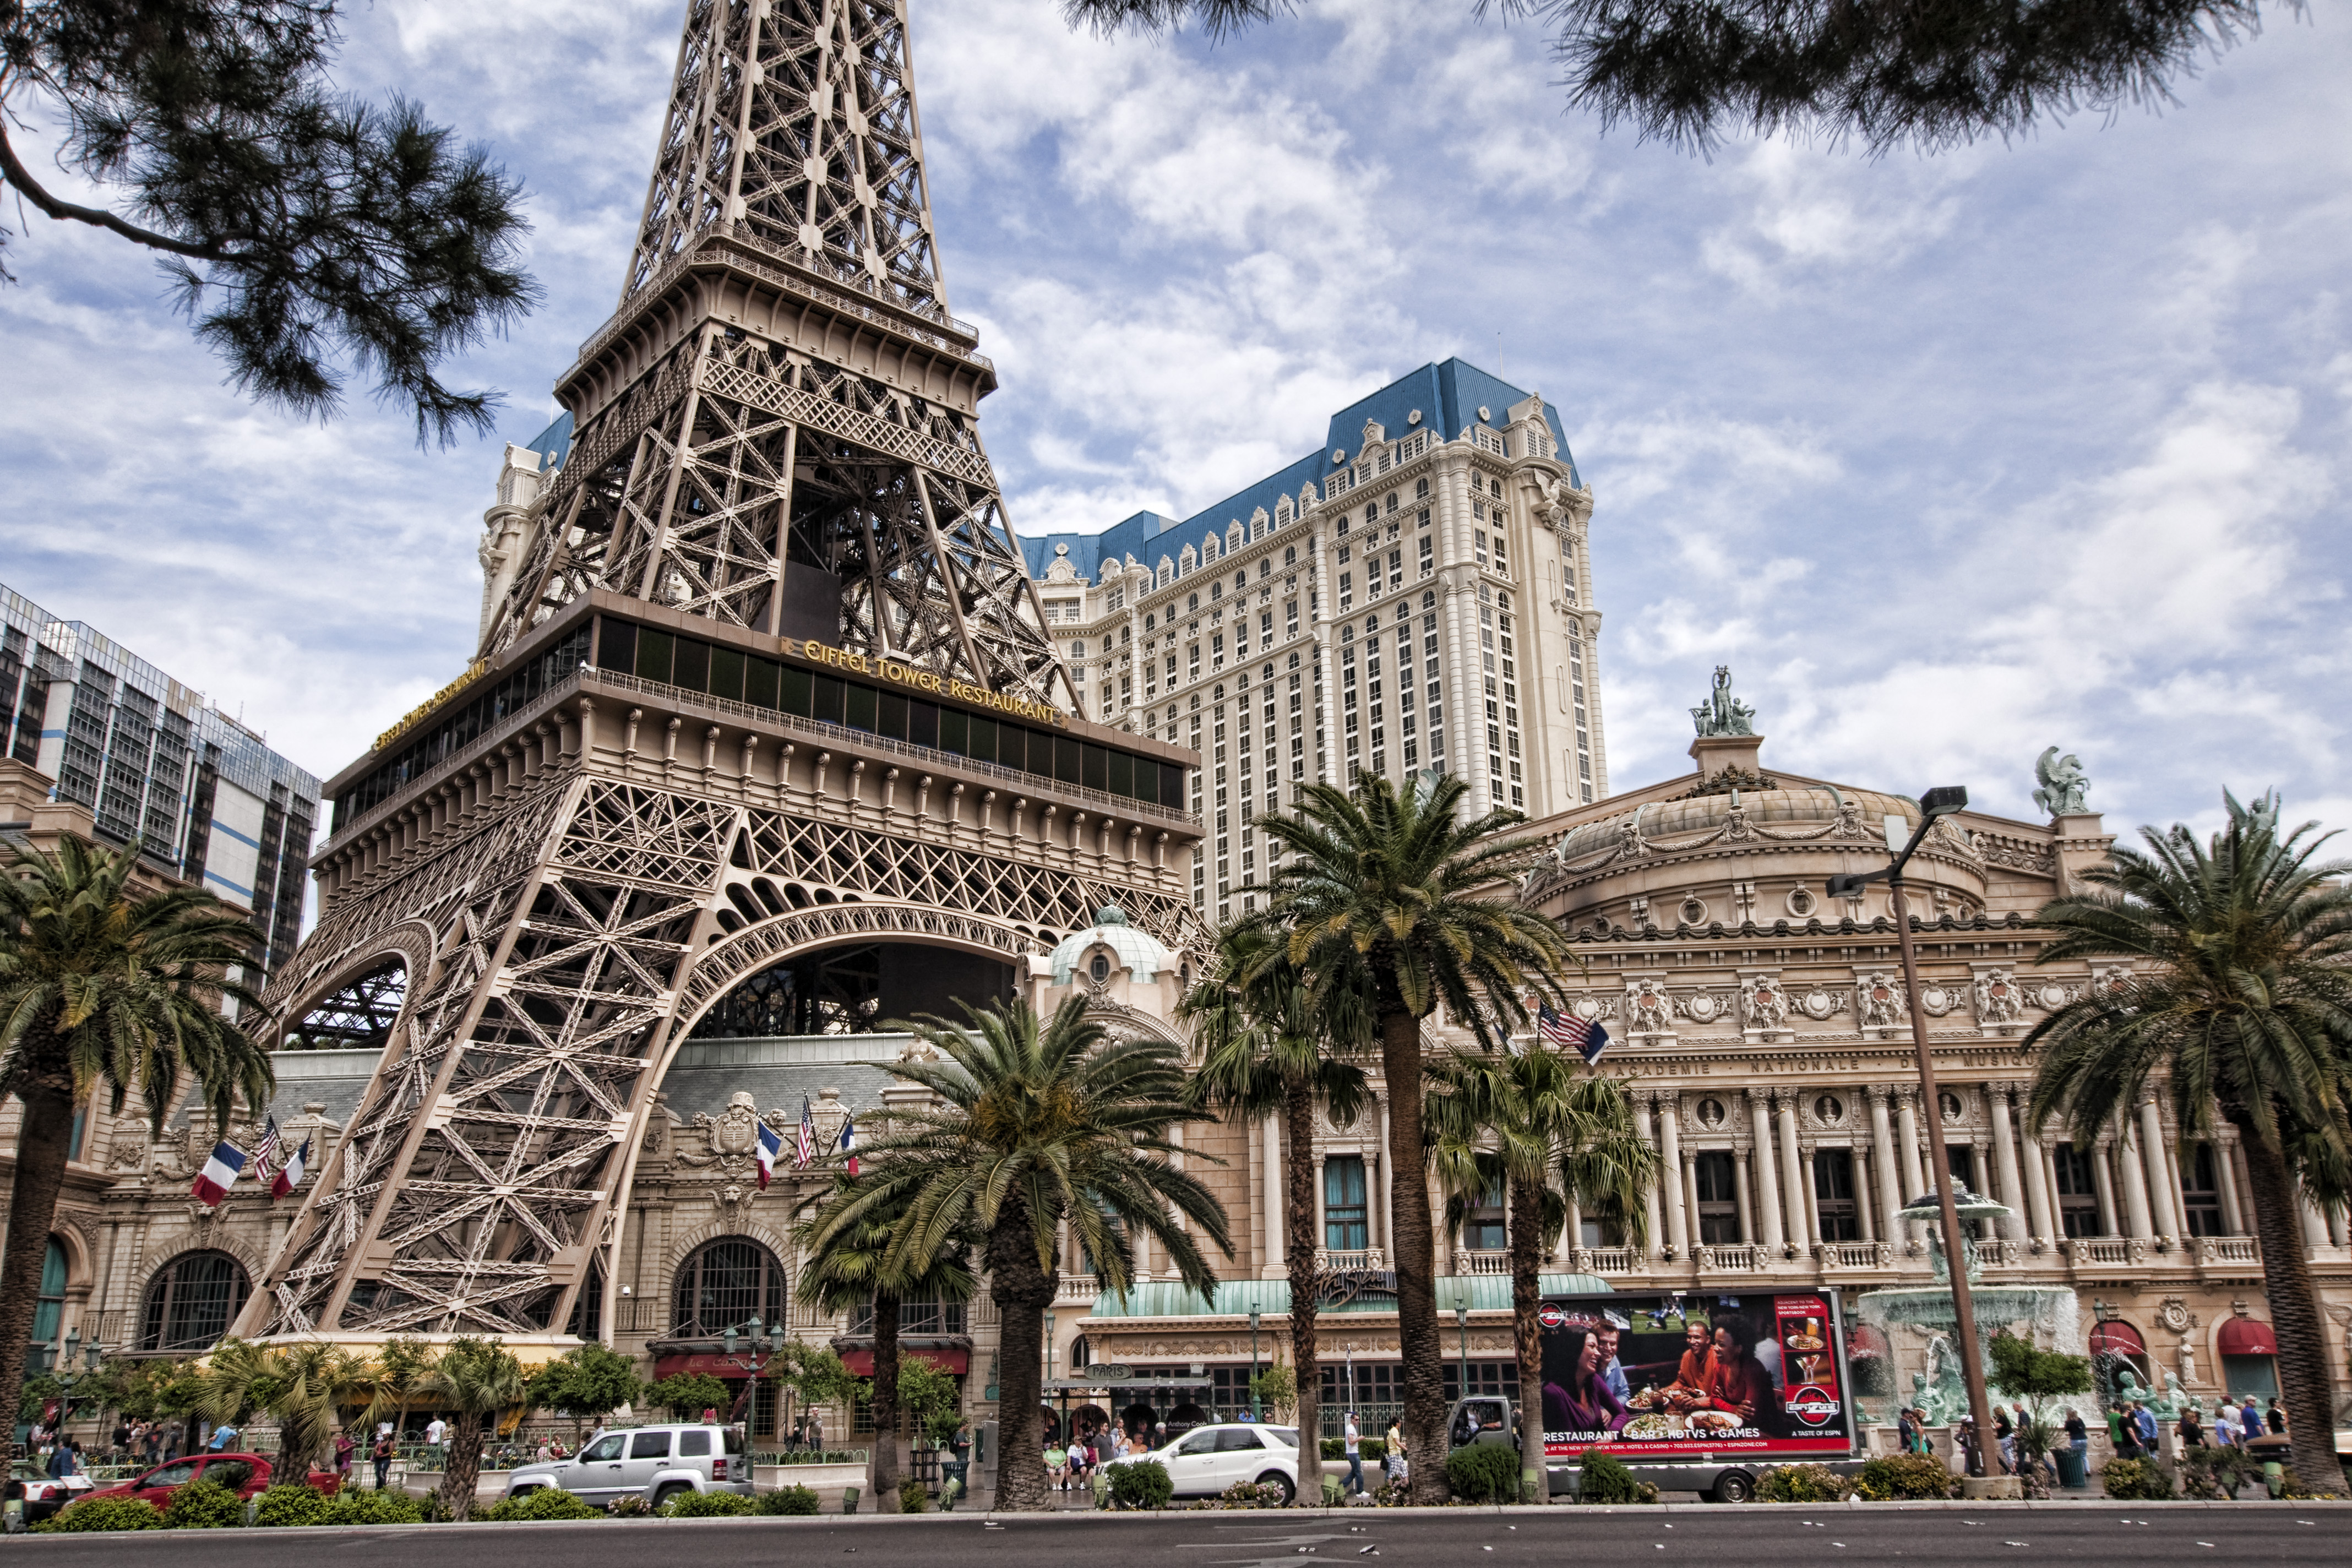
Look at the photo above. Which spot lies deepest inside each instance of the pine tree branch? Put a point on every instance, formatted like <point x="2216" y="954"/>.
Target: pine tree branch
<point x="13" y="170"/>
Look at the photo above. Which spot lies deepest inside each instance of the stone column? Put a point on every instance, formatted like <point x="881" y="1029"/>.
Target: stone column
<point x="1643" y="1125"/>
<point x="1275" y="1254"/>
<point x="1388" y="1223"/>
<point x="1768" y="1176"/>
<point x="2225" y="1172"/>
<point x="2163" y="1200"/>
<point x="2014" y="1224"/>
<point x="2037" y="1187"/>
<point x="2133" y="1177"/>
<point x="1795" y="1177"/>
<point x="2102" y="1178"/>
<point x="1742" y="1189"/>
<point x="1689" y="1180"/>
<point x="1670" y="1143"/>
<point x="1882" y="1147"/>
<point x="1862" y="1161"/>
<point x="1915" y="1182"/>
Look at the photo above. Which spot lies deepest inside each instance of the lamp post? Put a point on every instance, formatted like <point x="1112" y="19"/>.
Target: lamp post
<point x="761" y="1339"/>
<point x="47" y="1358"/>
<point x="1256" y="1413"/>
<point x="1462" y="1323"/>
<point x="1935" y="804"/>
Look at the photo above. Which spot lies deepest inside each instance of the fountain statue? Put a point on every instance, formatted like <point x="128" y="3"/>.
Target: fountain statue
<point x="2051" y="1315"/>
<point x="2168" y="1405"/>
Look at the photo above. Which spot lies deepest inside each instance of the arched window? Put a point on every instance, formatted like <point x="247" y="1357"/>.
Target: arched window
<point x="191" y="1300"/>
<point x="725" y="1285"/>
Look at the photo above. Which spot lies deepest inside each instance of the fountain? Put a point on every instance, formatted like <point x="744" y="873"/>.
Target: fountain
<point x="2049" y="1315"/>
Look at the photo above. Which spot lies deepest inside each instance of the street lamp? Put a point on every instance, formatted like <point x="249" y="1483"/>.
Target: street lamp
<point x="1936" y="803"/>
<point x="1255" y="1413"/>
<point x="48" y="1358"/>
<point x="760" y="1340"/>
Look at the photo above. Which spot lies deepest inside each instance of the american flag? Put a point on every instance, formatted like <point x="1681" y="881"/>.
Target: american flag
<point x="265" y="1154"/>
<point x="1567" y="1032"/>
<point x="806" y="1149"/>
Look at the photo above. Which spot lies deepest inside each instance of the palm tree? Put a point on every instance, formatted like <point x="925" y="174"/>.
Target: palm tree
<point x="1519" y="1122"/>
<point x="1392" y="902"/>
<point x="476" y="1381"/>
<point x="1037" y="1127"/>
<point x="2244" y="1008"/>
<point x="401" y="1363"/>
<point x="302" y="1385"/>
<point x="101" y="985"/>
<point x="855" y="1267"/>
<point x="1266" y="1053"/>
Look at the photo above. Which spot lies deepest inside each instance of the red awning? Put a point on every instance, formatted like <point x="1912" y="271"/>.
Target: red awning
<point x="2117" y="1337"/>
<point x="861" y="1363"/>
<point x="715" y="1364"/>
<point x="2247" y="1336"/>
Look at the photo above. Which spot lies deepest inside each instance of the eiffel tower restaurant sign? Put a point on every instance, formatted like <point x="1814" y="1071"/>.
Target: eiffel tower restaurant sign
<point x="899" y="672"/>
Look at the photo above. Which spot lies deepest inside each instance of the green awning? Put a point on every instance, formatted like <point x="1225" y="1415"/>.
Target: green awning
<point x="1234" y="1298"/>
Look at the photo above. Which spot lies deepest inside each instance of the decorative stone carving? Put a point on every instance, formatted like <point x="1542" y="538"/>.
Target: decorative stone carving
<point x="1880" y="1003"/>
<point x="2000" y="1003"/>
<point x="1722" y="713"/>
<point x="2106" y="977"/>
<point x="730" y="1136"/>
<point x="1818" y="1004"/>
<point x="1763" y="1003"/>
<point x="1937" y="1000"/>
<point x="1702" y="1007"/>
<point x="1590" y="1008"/>
<point x="2064" y="784"/>
<point x="1648" y="1010"/>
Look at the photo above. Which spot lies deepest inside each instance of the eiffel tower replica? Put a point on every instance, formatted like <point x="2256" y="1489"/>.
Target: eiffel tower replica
<point x="769" y="678"/>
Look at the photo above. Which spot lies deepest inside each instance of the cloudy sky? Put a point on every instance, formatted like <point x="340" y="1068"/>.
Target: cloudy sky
<point x="1951" y="459"/>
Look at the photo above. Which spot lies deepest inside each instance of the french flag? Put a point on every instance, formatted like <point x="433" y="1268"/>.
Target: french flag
<point x="770" y="1149"/>
<point x="848" y="1143"/>
<point x="219" y="1174"/>
<point x="290" y="1176"/>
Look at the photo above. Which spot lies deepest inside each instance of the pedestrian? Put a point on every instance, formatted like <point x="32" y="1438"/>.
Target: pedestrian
<point x="435" y="1431"/>
<point x="1970" y="1446"/>
<point x="2190" y="1429"/>
<point x="2277" y="1417"/>
<point x="2005" y="1436"/>
<point x="61" y="1462"/>
<point x="800" y="1433"/>
<point x="2250" y="1420"/>
<point x="156" y="1437"/>
<point x="816" y="1432"/>
<point x="1058" y="1460"/>
<point x="1906" y="1436"/>
<point x="171" y="1442"/>
<point x="1394" y="1461"/>
<point x="382" y="1457"/>
<point x="1351" y="1445"/>
<point x="2144" y="1418"/>
<point x="343" y="1449"/>
<point x="2078" y="1438"/>
<point x="122" y="1448"/>
<point x="222" y="1436"/>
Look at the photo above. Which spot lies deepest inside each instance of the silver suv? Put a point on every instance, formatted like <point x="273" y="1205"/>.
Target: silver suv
<point x="655" y="1463"/>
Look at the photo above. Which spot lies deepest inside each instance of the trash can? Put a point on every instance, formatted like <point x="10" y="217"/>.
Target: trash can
<point x="2073" y="1467"/>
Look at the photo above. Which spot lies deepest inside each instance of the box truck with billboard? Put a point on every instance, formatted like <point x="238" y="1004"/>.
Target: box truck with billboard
<point x="1693" y="1390"/>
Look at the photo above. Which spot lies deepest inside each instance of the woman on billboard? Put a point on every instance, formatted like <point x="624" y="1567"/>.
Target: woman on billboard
<point x="1576" y="1399"/>
<point x="1736" y="1380"/>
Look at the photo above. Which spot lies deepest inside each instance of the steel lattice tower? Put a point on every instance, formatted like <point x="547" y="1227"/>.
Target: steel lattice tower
<point x="777" y="483"/>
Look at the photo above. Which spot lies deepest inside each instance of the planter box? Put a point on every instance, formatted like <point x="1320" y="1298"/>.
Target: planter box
<point x="489" y="1484"/>
<point x="825" y="1480"/>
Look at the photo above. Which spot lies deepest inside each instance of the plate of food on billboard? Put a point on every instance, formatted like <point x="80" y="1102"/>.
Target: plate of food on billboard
<point x="1657" y="1377"/>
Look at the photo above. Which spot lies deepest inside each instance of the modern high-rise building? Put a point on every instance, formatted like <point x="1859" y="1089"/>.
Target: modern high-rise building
<point x="156" y="765"/>
<point x="1415" y="594"/>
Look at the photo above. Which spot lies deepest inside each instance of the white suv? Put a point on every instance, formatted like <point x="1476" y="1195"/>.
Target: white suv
<point x="1207" y="1459"/>
<point x="655" y="1462"/>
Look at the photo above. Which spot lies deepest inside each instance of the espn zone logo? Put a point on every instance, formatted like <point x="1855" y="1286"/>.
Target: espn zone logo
<point x="1812" y="1406"/>
<point x="1550" y="1317"/>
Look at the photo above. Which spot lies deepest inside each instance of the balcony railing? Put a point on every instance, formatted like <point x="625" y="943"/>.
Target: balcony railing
<point x="1328" y="1261"/>
<point x="1608" y="1260"/>
<point x="1742" y="1260"/>
<point x="2212" y="1249"/>
<point x="1078" y="1287"/>
<point x="1466" y="1262"/>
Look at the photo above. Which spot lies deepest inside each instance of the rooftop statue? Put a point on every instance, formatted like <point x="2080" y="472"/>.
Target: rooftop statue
<point x="2064" y="784"/>
<point x="1722" y="713"/>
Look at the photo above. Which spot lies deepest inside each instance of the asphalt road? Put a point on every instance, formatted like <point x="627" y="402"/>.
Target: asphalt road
<point x="2276" y="1536"/>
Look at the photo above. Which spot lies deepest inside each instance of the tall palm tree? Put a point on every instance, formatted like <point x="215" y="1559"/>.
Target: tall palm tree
<point x="1037" y="1127"/>
<point x="302" y="1385"/>
<point x="1521" y="1122"/>
<point x="1265" y="1053"/>
<point x="101" y="985"/>
<point x="476" y="1381"/>
<point x="2245" y="1008"/>
<point x="1393" y="901"/>
<point x="856" y="1266"/>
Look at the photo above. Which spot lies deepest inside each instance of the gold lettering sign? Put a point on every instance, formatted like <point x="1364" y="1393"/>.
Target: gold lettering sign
<point x="409" y="720"/>
<point x="915" y="678"/>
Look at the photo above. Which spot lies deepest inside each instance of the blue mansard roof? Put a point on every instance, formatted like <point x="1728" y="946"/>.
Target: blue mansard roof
<point x="1448" y="395"/>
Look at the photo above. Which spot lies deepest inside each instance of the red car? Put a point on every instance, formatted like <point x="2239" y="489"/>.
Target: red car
<point x="244" y="1474"/>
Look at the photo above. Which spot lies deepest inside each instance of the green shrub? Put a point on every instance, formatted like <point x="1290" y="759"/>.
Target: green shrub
<point x="2141" y="1480"/>
<point x="200" y="1505"/>
<point x="914" y="1497"/>
<point x="630" y="1505"/>
<point x="707" y="1505"/>
<point x="1602" y="1477"/>
<point x="351" y="1506"/>
<point x="1372" y="1449"/>
<point x="798" y="1501"/>
<point x="106" y="1513"/>
<point x="1139" y="1484"/>
<point x="1484" y="1472"/>
<point x="543" y="1502"/>
<point x="2219" y="1472"/>
<point x="1251" y="1494"/>
<point x="1904" y="1476"/>
<point x="1803" y="1483"/>
<point x="288" y="1505"/>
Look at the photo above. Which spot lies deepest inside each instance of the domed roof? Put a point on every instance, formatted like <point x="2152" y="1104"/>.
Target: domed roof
<point x="1793" y="815"/>
<point x="1137" y="952"/>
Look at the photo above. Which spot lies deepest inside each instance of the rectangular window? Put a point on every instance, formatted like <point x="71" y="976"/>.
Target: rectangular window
<point x="1344" y="1214"/>
<point x="692" y="669"/>
<point x="1482" y="1228"/>
<point x="727" y="673"/>
<point x="829" y="695"/>
<point x="864" y="705"/>
<point x="2078" y="1191"/>
<point x="654" y="650"/>
<point x="1718" y="1199"/>
<point x="1833" y="1202"/>
<point x="2200" y="1191"/>
<point x="1488" y="1380"/>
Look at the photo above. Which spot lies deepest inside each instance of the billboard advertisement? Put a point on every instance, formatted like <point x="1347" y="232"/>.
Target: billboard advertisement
<point x="1685" y="1374"/>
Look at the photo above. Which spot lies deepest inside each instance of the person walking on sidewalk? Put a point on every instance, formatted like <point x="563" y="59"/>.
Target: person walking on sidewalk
<point x="382" y="1456"/>
<point x="1351" y="1444"/>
